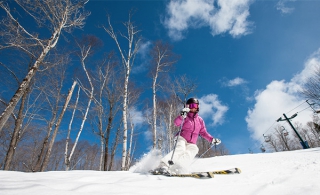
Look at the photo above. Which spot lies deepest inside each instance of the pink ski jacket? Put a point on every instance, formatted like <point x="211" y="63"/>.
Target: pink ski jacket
<point x="193" y="126"/>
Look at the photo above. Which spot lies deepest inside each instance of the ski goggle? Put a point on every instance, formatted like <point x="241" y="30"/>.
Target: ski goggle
<point x="193" y="105"/>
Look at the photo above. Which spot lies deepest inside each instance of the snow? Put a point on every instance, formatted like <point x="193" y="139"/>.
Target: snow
<point x="283" y="173"/>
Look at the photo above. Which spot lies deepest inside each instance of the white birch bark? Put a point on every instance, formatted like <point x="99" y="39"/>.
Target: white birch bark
<point x="57" y="126"/>
<point x="162" y="60"/>
<point x="127" y="61"/>
<point x="66" y="156"/>
<point x="84" y="54"/>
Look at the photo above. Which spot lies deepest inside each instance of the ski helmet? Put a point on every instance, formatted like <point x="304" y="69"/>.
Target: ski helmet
<point x="193" y="101"/>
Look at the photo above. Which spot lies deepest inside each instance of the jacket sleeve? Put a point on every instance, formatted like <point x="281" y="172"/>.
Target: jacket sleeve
<point x="204" y="133"/>
<point x="178" y="121"/>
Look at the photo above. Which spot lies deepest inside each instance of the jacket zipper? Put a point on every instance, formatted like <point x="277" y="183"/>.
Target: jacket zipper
<point x="194" y="128"/>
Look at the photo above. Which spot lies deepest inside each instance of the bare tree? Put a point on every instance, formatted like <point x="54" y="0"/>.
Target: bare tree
<point x="127" y="58"/>
<point x="51" y="88"/>
<point x="86" y="46"/>
<point x="168" y="109"/>
<point x="57" y="16"/>
<point x="107" y="104"/>
<point x="272" y="142"/>
<point x="114" y="148"/>
<point x="162" y="60"/>
<point x="133" y="96"/>
<point x="16" y="133"/>
<point x="316" y="127"/>
<point x="311" y="88"/>
<point x="207" y="150"/>
<point x="311" y="134"/>
<point x="113" y="98"/>
<point x="282" y="135"/>
<point x="56" y="158"/>
<point x="27" y="147"/>
<point x="57" y="126"/>
<point x="184" y="86"/>
<point x="67" y="158"/>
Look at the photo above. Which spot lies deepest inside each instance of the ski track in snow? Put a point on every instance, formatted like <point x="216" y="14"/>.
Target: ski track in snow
<point x="282" y="173"/>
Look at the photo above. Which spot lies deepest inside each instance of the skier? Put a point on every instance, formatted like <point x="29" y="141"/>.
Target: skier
<point x="192" y="125"/>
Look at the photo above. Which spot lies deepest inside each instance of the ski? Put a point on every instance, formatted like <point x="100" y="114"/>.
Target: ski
<point x="201" y="175"/>
<point x="227" y="171"/>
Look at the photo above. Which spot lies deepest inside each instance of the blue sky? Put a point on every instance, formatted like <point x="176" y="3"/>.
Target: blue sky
<point x="248" y="57"/>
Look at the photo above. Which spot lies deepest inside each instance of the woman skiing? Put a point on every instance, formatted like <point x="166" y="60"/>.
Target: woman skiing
<point x="192" y="125"/>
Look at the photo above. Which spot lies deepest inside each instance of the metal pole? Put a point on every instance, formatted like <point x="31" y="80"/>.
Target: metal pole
<point x="207" y="150"/>
<point x="175" y="145"/>
<point x="301" y="140"/>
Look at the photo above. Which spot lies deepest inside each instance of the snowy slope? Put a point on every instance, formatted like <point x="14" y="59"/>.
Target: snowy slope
<point x="283" y="173"/>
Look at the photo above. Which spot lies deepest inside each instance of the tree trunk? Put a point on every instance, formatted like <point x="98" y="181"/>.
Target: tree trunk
<point x="154" y="116"/>
<point x="66" y="157"/>
<point x="43" y="149"/>
<point x="57" y="126"/>
<point x="114" y="148"/>
<point x="21" y="90"/>
<point x="125" y="123"/>
<point x="66" y="15"/>
<point x="107" y="138"/>
<point x="130" y="146"/>
<point x="16" y="134"/>
<point x="26" y="81"/>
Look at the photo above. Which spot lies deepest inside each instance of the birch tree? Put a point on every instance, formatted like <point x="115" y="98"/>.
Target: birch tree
<point x="168" y="109"/>
<point x="107" y="104"/>
<point x="272" y="142"/>
<point x="282" y="134"/>
<point x="311" y="88"/>
<point x="133" y="97"/>
<point x="86" y="48"/>
<point x="183" y="86"/>
<point x="16" y="134"/>
<point x="162" y="60"/>
<point x="57" y="16"/>
<point x="57" y="126"/>
<point x="113" y="98"/>
<point x="127" y="59"/>
<point x="51" y="85"/>
<point x="67" y="158"/>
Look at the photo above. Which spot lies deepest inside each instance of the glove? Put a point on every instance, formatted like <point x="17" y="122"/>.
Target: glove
<point x="216" y="141"/>
<point x="184" y="112"/>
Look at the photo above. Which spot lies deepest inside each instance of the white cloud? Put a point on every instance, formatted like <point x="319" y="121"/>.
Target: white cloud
<point x="281" y="5"/>
<point x="144" y="49"/>
<point x="212" y="108"/>
<point x="143" y="54"/>
<point x="137" y="116"/>
<point x="280" y="97"/>
<point x="235" y="82"/>
<point x="226" y="16"/>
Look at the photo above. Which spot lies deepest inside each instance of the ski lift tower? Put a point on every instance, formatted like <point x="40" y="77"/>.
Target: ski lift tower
<point x="303" y="143"/>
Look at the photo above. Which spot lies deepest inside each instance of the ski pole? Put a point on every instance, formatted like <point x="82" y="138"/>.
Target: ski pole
<point x="204" y="153"/>
<point x="207" y="150"/>
<point x="175" y="145"/>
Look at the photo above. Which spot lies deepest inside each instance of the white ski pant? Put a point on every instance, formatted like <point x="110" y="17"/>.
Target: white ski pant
<point x="183" y="155"/>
